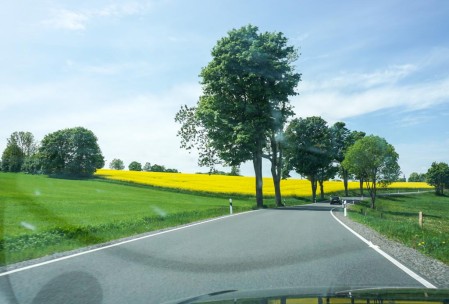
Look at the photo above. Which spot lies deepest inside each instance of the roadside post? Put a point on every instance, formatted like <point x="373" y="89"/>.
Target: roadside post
<point x="344" y="206"/>
<point x="230" y="206"/>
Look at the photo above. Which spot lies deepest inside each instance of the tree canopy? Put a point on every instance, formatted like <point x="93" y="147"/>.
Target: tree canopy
<point x="374" y="159"/>
<point x="417" y="177"/>
<point x="135" y="166"/>
<point x="71" y="152"/>
<point x="117" y="164"/>
<point x="342" y="138"/>
<point x="19" y="154"/>
<point x="309" y="149"/>
<point x="12" y="158"/>
<point x="244" y="103"/>
<point x="438" y="176"/>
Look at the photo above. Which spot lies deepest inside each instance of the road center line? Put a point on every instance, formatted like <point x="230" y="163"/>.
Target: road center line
<point x="387" y="256"/>
<point x="118" y="244"/>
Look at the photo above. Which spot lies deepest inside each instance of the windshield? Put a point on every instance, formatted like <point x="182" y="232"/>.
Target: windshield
<point x="158" y="150"/>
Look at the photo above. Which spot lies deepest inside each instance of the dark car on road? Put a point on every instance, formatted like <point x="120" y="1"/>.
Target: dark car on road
<point x="336" y="200"/>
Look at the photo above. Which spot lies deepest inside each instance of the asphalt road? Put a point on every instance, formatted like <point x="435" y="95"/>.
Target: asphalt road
<point x="265" y="249"/>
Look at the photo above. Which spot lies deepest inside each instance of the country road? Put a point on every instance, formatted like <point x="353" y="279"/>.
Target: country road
<point x="264" y="249"/>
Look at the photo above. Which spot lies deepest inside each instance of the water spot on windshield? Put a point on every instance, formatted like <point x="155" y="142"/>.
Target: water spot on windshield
<point x="28" y="226"/>
<point x="159" y="211"/>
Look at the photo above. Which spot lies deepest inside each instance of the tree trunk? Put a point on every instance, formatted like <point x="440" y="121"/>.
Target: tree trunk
<point x="257" y="162"/>
<point x="322" y="189"/>
<point x="361" y="186"/>
<point x="276" y="170"/>
<point x="345" y="181"/>
<point x="277" y="191"/>
<point x="313" y="182"/>
<point x="373" y="194"/>
<point x="372" y="188"/>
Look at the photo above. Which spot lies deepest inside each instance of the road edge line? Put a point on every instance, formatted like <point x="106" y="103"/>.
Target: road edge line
<point x="120" y="243"/>
<point x="398" y="264"/>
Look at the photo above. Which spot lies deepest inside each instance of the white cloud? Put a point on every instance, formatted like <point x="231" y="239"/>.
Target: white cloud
<point x="123" y="9"/>
<point x="359" y="81"/>
<point x="350" y="95"/>
<point x="66" y="19"/>
<point x="77" y="20"/>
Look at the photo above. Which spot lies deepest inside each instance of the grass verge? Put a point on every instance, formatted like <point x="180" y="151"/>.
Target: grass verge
<point x="397" y="218"/>
<point x="41" y="215"/>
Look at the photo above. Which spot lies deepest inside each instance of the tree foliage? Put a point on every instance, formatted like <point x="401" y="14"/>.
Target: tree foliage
<point x="117" y="164"/>
<point x="309" y="149"/>
<point x="244" y="103"/>
<point x="146" y="167"/>
<point x="25" y="141"/>
<point x="19" y="154"/>
<point x="71" y="152"/>
<point x="417" y="177"/>
<point x="374" y="159"/>
<point x="438" y="176"/>
<point x="135" y="166"/>
<point x="12" y="158"/>
<point x="342" y="138"/>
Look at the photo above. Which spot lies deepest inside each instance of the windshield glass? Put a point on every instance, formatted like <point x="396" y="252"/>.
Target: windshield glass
<point x="158" y="150"/>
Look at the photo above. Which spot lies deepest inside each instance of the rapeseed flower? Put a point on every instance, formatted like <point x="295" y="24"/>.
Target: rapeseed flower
<point x="223" y="184"/>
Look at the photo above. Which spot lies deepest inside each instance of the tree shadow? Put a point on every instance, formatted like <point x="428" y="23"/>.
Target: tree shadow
<point x="71" y="177"/>
<point x="308" y="208"/>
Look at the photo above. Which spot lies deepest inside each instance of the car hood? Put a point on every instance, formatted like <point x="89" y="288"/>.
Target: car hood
<point x="325" y="296"/>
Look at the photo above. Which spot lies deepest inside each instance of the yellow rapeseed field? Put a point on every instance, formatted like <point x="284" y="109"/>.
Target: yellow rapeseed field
<point x="229" y="184"/>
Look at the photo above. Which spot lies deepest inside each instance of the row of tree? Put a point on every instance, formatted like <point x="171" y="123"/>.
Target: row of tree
<point x="316" y="151"/>
<point x="243" y="114"/>
<point x="68" y="152"/>
<point x="417" y="177"/>
<point x="118" y="164"/>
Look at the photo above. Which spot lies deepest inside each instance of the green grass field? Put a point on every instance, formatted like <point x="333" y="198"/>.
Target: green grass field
<point x="41" y="215"/>
<point x="397" y="218"/>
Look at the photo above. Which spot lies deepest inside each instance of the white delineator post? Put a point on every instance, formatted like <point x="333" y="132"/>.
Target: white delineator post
<point x="230" y="206"/>
<point x="344" y="206"/>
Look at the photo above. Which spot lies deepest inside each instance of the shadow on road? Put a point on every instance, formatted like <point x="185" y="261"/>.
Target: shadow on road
<point x="74" y="287"/>
<point x="315" y="207"/>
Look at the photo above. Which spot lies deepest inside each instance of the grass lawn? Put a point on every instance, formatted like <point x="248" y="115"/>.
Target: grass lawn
<point x="397" y="218"/>
<point x="41" y="215"/>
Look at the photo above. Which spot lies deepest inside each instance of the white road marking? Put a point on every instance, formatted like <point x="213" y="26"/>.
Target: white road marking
<point x="118" y="244"/>
<point x="387" y="256"/>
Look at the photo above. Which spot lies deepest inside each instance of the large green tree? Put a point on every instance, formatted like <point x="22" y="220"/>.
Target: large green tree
<point x="374" y="159"/>
<point x="342" y="139"/>
<point x="12" y="158"/>
<point x="438" y="176"/>
<point x="309" y="149"/>
<point x="25" y="141"/>
<point x="71" y="152"/>
<point x="244" y="106"/>
<point x="20" y="152"/>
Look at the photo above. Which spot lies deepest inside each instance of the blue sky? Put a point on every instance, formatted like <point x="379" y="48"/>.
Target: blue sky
<point x="124" y="68"/>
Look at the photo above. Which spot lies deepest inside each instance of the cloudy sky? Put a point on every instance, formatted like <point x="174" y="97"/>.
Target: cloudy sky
<point x="124" y="68"/>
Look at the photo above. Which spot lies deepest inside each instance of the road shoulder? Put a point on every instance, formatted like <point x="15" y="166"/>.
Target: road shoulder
<point x="433" y="270"/>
